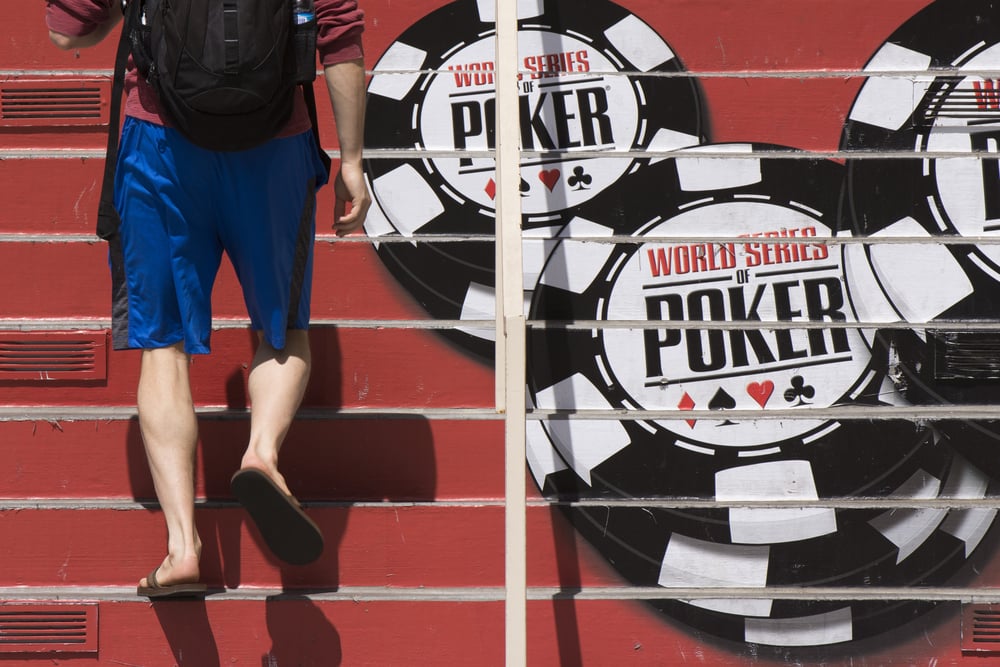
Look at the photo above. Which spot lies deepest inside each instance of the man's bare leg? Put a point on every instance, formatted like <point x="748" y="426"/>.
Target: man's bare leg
<point x="170" y="433"/>
<point x="277" y="384"/>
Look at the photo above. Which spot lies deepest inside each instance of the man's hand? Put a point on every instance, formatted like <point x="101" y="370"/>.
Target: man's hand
<point x="350" y="186"/>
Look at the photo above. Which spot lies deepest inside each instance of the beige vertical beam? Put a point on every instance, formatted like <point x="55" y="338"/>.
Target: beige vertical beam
<point x="510" y="348"/>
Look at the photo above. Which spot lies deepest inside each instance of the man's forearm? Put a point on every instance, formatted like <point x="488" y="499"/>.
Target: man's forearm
<point x="346" y="83"/>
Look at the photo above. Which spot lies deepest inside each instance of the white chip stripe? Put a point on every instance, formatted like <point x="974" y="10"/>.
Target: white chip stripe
<point x="774" y="480"/>
<point x="889" y="101"/>
<point x="543" y="460"/>
<point x="966" y="481"/>
<point x="480" y="300"/>
<point x="584" y="444"/>
<point x="818" y="630"/>
<point x="908" y="529"/>
<point x="777" y="525"/>
<point x="479" y="303"/>
<point x="969" y="526"/>
<point x="690" y="563"/>
<point x="740" y="607"/>
<point x="525" y="9"/>
<point x="919" y="295"/>
<point x="869" y="301"/>
<point x="699" y="174"/>
<point x="575" y="265"/>
<point x="670" y="140"/>
<point x="398" y="57"/>
<point x="419" y="207"/>
<point x="639" y="43"/>
<point x="376" y="224"/>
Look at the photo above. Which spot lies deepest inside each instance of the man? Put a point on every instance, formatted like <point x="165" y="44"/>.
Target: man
<point x="181" y="206"/>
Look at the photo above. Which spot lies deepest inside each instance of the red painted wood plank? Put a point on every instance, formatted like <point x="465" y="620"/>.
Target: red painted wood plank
<point x="69" y="205"/>
<point x="758" y="37"/>
<point x="394" y="546"/>
<point x="765" y="35"/>
<point x="349" y="282"/>
<point x="458" y="634"/>
<point x="300" y="632"/>
<point x="70" y="202"/>
<point x="352" y="368"/>
<point x="608" y="632"/>
<point x="407" y="459"/>
<point x="397" y="546"/>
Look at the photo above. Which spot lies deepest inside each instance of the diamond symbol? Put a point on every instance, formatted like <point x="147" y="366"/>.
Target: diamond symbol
<point x="687" y="403"/>
<point x="491" y="189"/>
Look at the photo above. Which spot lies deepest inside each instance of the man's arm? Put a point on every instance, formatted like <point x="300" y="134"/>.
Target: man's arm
<point x="95" y="36"/>
<point x="346" y="83"/>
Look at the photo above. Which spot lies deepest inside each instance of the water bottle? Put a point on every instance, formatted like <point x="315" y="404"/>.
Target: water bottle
<point x="304" y="37"/>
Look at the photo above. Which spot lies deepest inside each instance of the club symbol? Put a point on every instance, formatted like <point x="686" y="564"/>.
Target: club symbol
<point x="580" y="179"/>
<point x="800" y="391"/>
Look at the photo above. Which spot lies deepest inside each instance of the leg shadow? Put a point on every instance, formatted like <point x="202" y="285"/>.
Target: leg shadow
<point x="570" y="583"/>
<point x="301" y="634"/>
<point x="186" y="627"/>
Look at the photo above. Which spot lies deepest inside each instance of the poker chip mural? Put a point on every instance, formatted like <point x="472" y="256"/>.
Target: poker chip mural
<point x="940" y="202"/>
<point x="592" y="81"/>
<point x="791" y="201"/>
<point x="700" y="312"/>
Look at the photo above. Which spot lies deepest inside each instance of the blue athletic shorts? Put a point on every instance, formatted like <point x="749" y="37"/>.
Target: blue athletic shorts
<point x="182" y="206"/>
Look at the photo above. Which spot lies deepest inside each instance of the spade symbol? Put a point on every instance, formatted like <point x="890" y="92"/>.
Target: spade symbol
<point x="525" y="188"/>
<point x="722" y="401"/>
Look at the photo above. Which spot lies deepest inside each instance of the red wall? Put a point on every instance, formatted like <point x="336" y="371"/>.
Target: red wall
<point x="639" y="487"/>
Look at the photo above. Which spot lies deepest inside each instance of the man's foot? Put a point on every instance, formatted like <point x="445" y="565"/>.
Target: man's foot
<point x="151" y="587"/>
<point x="288" y="532"/>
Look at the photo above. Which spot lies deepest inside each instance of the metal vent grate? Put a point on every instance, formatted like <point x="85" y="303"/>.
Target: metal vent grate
<point x="53" y="355"/>
<point x="54" y="102"/>
<point x="981" y="629"/>
<point x="48" y="628"/>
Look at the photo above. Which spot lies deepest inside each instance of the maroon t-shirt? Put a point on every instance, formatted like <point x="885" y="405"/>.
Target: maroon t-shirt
<point x="340" y="24"/>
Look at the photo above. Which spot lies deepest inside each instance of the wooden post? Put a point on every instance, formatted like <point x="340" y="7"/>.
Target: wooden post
<point x="510" y="348"/>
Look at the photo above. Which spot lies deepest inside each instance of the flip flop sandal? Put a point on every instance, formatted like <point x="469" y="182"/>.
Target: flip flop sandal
<point x="155" y="591"/>
<point x="288" y="532"/>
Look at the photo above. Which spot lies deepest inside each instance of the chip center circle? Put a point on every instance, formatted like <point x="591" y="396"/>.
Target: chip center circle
<point x="571" y="100"/>
<point x="793" y="278"/>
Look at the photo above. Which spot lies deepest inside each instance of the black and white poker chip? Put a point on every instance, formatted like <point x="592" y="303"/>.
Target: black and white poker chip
<point x="776" y="213"/>
<point x="591" y="81"/>
<point x="933" y="94"/>
<point x="919" y="547"/>
<point x="791" y="202"/>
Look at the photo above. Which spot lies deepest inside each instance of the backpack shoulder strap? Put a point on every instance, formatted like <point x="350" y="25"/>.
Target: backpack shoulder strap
<point x="107" y="216"/>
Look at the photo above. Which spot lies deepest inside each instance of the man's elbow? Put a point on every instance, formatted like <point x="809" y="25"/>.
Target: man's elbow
<point x="64" y="42"/>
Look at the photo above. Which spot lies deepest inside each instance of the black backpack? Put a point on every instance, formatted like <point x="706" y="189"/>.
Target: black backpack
<point x="225" y="73"/>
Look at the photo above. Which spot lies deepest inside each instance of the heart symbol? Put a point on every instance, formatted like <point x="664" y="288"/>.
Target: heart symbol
<point x="760" y="391"/>
<point x="550" y="177"/>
